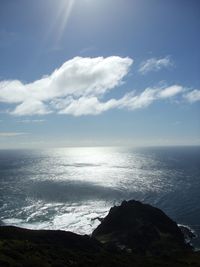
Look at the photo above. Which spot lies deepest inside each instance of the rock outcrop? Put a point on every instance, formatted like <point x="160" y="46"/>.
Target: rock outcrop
<point x="139" y="227"/>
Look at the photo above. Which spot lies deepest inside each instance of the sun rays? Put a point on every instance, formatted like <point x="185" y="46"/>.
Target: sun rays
<point x="65" y="9"/>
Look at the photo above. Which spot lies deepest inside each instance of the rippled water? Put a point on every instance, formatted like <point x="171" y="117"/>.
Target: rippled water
<point x="69" y="188"/>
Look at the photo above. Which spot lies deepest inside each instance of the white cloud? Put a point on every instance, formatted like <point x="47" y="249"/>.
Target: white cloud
<point x="155" y="64"/>
<point x="171" y="91"/>
<point x="76" y="78"/>
<point x="148" y="96"/>
<point x="88" y="105"/>
<point x="131" y="101"/>
<point x="30" y="107"/>
<point x="193" y="96"/>
<point x="141" y="100"/>
<point x="31" y="121"/>
<point x="11" y="134"/>
<point x="13" y="92"/>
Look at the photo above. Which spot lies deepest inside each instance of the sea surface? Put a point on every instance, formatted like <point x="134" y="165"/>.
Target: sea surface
<point x="70" y="188"/>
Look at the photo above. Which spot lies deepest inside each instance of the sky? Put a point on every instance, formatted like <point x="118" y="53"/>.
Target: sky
<point x="99" y="73"/>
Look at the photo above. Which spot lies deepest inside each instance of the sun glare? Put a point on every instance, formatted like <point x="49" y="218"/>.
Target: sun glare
<point x="65" y="10"/>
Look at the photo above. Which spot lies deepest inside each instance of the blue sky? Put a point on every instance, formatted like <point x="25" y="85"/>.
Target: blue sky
<point x="94" y="72"/>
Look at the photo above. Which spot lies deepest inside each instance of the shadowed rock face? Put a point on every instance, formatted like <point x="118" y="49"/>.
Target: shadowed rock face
<point x="57" y="238"/>
<point x="141" y="228"/>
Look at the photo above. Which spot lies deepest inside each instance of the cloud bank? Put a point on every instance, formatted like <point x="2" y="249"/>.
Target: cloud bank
<point x="155" y="64"/>
<point x="78" y="88"/>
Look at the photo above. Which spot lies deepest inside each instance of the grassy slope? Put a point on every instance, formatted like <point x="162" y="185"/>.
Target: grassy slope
<point x="28" y="248"/>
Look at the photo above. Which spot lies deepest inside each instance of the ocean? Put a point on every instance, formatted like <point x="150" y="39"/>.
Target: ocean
<point x="71" y="188"/>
